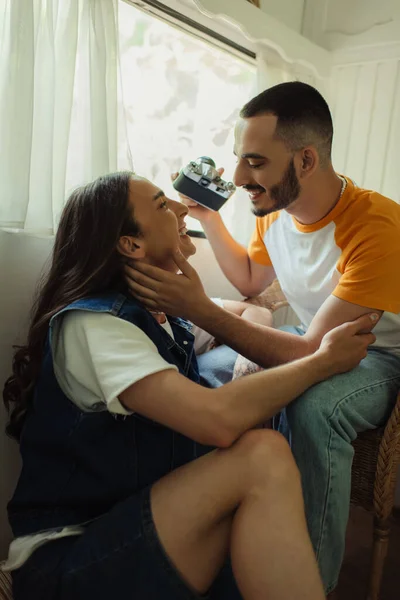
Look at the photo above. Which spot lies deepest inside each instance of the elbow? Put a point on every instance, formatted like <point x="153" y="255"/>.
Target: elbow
<point x="216" y="430"/>
<point x="224" y="438"/>
<point x="216" y="436"/>
<point x="221" y="431"/>
<point x="249" y="291"/>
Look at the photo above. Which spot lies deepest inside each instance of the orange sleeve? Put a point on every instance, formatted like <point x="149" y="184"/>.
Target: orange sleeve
<point x="370" y="262"/>
<point x="256" y="248"/>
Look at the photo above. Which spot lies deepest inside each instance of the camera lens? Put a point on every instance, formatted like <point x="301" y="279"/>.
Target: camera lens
<point x="207" y="160"/>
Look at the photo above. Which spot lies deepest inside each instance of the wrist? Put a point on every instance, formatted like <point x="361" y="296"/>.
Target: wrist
<point x="321" y="365"/>
<point x="211" y="220"/>
<point x="206" y="313"/>
<point x="199" y="312"/>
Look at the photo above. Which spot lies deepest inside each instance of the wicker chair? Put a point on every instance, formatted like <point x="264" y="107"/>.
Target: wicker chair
<point x="375" y="465"/>
<point x="5" y="586"/>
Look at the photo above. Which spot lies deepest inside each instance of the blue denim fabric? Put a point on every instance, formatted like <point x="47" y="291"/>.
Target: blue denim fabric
<point x="119" y="556"/>
<point x="216" y="366"/>
<point x="321" y="425"/>
<point x="77" y="465"/>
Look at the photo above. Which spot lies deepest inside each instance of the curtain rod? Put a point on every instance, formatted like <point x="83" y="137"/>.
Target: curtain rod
<point x="194" y="24"/>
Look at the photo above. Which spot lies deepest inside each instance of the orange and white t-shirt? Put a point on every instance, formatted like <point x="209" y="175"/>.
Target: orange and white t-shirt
<point x="352" y="253"/>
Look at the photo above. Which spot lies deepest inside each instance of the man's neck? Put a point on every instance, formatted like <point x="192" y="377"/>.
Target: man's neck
<point x="321" y="197"/>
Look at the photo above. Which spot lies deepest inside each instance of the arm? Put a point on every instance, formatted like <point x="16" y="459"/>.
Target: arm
<point x="184" y="295"/>
<point x="248" y="277"/>
<point x="218" y="417"/>
<point x="266" y="346"/>
<point x="256" y="314"/>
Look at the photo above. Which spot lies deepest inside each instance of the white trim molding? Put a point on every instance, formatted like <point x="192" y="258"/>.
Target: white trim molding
<point x="263" y="29"/>
<point x="366" y="54"/>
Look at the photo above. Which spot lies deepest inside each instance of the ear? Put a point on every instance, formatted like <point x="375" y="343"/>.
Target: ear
<point x="131" y="247"/>
<point x="309" y="161"/>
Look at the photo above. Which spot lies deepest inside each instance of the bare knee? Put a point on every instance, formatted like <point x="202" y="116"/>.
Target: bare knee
<point x="267" y="457"/>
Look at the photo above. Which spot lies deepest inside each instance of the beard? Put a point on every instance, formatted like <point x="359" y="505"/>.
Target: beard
<point x="283" y="193"/>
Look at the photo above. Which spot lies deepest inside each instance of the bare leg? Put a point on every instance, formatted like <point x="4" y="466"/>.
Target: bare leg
<point x="246" y="501"/>
<point x="257" y="314"/>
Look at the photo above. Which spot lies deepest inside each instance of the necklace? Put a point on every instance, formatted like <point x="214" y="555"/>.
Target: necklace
<point x="344" y="186"/>
<point x="342" y="190"/>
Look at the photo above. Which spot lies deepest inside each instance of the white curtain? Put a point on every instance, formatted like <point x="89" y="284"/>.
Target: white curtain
<point x="59" y="96"/>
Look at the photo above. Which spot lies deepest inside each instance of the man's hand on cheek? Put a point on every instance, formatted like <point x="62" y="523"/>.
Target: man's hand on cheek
<point x="180" y="295"/>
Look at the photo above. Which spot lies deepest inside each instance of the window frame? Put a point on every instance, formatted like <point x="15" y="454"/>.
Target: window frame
<point x="236" y="43"/>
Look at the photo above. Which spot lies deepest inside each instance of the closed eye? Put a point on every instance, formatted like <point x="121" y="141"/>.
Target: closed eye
<point x="163" y="204"/>
<point x="256" y="166"/>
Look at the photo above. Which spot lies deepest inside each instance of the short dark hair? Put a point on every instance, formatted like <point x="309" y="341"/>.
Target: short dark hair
<point x="303" y="116"/>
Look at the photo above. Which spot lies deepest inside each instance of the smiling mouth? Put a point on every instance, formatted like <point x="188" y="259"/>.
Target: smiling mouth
<point x="255" y="194"/>
<point x="183" y="231"/>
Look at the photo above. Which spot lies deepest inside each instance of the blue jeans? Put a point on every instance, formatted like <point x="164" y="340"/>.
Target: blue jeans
<point x="118" y="556"/>
<point x="321" y="424"/>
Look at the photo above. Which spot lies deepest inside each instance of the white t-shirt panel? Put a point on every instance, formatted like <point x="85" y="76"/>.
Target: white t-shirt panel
<point x="97" y="356"/>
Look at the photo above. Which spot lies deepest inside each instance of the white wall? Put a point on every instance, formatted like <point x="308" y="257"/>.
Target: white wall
<point x="22" y="259"/>
<point x="337" y="24"/>
<point x="365" y="101"/>
<point x="289" y="12"/>
<point x="214" y="281"/>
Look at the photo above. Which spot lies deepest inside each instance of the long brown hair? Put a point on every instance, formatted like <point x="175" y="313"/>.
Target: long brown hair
<point x="84" y="262"/>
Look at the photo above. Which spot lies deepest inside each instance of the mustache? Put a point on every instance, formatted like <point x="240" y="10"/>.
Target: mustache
<point x="257" y="188"/>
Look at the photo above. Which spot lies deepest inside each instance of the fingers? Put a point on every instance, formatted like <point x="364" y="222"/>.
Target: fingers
<point x="142" y="292"/>
<point x="189" y="202"/>
<point x="149" y="304"/>
<point x="363" y="323"/>
<point x="368" y="338"/>
<point x="152" y="274"/>
<point x="183" y="264"/>
<point x="174" y="176"/>
<point x="135" y="278"/>
<point x="220" y="171"/>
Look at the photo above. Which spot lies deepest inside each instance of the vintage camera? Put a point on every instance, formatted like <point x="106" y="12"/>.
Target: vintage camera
<point x="200" y="181"/>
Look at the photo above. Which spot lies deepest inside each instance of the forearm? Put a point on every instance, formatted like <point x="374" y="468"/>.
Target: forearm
<point x="217" y="417"/>
<point x="251" y="401"/>
<point x="262" y="345"/>
<point x="231" y="256"/>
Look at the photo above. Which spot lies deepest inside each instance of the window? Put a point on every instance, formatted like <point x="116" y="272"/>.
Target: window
<point x="87" y="88"/>
<point x="181" y="98"/>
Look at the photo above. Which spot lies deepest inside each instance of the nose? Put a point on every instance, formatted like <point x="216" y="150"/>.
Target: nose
<point x="180" y="209"/>
<point x="240" y="176"/>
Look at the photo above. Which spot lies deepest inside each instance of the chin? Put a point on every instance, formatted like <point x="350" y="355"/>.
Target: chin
<point x="266" y="208"/>
<point x="187" y="248"/>
<point x="263" y="211"/>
